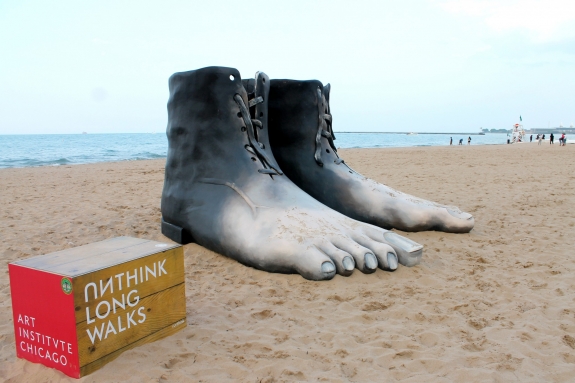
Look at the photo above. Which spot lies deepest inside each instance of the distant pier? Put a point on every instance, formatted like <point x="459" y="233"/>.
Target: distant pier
<point x="551" y="130"/>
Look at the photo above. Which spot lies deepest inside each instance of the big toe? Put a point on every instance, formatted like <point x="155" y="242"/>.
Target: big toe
<point x="408" y="252"/>
<point x="463" y="222"/>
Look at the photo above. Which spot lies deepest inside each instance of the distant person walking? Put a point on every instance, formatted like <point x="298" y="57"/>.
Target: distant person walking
<point x="461" y="141"/>
<point x="540" y="139"/>
<point x="450" y="140"/>
<point x="551" y="137"/>
<point x="531" y="138"/>
<point x="469" y="140"/>
<point x="562" y="140"/>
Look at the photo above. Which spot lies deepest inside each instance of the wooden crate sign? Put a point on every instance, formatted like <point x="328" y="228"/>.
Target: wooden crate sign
<point x="77" y="309"/>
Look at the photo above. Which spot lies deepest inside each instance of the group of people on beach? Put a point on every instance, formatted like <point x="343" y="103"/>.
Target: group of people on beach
<point x="541" y="137"/>
<point x="460" y="141"/>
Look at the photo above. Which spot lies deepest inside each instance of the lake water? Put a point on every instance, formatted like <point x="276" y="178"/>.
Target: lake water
<point x="66" y="149"/>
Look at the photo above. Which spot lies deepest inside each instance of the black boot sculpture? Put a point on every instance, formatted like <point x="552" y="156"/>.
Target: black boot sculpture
<point x="224" y="190"/>
<point x="302" y="140"/>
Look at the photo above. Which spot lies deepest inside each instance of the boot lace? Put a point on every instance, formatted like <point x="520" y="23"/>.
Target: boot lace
<point x="255" y="147"/>
<point x="324" y="129"/>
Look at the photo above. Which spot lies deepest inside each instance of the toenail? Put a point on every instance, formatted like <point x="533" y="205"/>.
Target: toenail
<point x="348" y="263"/>
<point x="459" y="214"/>
<point x="370" y="261"/>
<point x="327" y="267"/>
<point x="392" y="261"/>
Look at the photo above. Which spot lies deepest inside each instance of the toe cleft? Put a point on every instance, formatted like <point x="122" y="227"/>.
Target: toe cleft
<point x="392" y="261"/>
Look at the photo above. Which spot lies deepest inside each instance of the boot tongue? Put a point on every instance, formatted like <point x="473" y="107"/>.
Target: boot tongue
<point x="256" y="131"/>
<point x="249" y="85"/>
<point x="324" y="128"/>
<point x="260" y="112"/>
<point x="326" y="91"/>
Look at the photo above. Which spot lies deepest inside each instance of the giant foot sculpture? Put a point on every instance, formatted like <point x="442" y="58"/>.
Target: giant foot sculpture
<point x="224" y="190"/>
<point x="302" y="137"/>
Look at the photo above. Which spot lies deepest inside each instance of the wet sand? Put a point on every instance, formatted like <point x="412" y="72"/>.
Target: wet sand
<point x="496" y="304"/>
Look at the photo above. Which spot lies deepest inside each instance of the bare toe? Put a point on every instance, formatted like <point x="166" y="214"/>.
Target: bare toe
<point x="364" y="258"/>
<point x="463" y="222"/>
<point x="386" y="256"/>
<point x="343" y="260"/>
<point x="408" y="252"/>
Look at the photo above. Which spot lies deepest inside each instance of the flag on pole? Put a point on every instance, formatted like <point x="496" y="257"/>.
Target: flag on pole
<point x="520" y="119"/>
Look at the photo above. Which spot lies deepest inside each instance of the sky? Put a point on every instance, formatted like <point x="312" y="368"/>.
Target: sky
<point x="413" y="65"/>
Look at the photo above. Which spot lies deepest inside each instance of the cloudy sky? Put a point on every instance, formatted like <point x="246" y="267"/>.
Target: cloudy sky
<point x="413" y="65"/>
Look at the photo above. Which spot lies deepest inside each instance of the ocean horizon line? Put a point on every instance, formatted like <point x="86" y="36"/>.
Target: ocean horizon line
<point x="30" y="150"/>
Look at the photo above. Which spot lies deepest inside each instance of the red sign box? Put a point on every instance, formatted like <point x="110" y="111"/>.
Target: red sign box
<point x="77" y="309"/>
<point x="44" y="321"/>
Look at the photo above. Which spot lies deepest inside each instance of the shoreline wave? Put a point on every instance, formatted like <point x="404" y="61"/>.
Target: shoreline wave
<point x="22" y="151"/>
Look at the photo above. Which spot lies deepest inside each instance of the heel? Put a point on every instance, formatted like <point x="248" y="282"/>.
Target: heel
<point x="176" y="233"/>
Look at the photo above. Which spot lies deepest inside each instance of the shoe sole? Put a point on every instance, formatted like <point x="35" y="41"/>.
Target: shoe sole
<point x="176" y="233"/>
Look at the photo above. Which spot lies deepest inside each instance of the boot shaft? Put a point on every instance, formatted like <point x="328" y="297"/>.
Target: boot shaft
<point x="293" y="112"/>
<point x="208" y="136"/>
<point x="300" y="119"/>
<point x="203" y="132"/>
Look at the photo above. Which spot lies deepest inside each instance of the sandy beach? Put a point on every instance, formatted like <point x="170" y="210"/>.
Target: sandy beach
<point x="496" y="304"/>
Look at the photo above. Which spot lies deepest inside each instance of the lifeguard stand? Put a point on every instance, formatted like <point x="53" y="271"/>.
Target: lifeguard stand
<point x="518" y="134"/>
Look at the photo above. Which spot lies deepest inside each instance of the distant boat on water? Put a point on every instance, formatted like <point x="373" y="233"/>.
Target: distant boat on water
<point x="412" y="134"/>
<point x="84" y="132"/>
